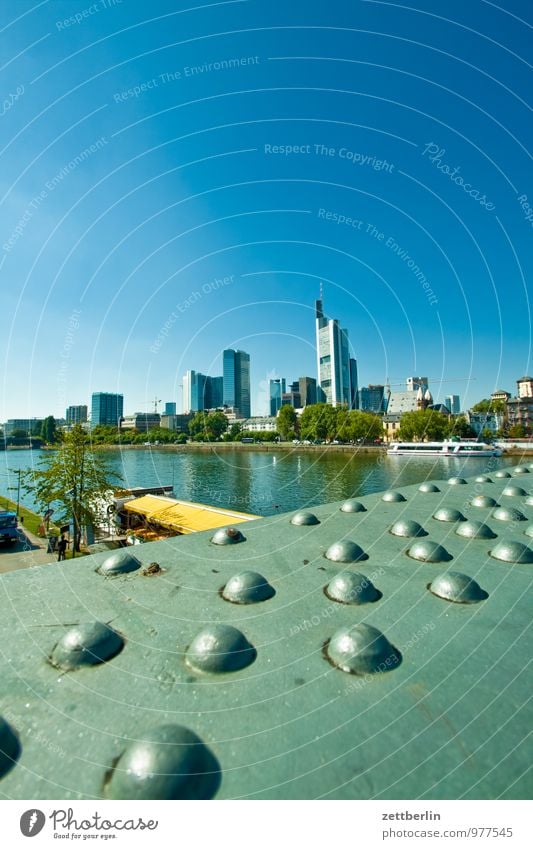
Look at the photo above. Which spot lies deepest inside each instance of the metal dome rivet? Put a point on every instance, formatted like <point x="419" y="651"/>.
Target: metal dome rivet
<point x="511" y="551"/>
<point x="454" y="586"/>
<point x="345" y="551"/>
<point x="520" y="470"/>
<point x="483" y="479"/>
<point x="457" y="481"/>
<point x="247" y="588"/>
<point x="429" y="552"/>
<point x="352" y="588"/>
<point x="119" y="563"/>
<point x="86" y="645"/>
<point x="362" y="650"/>
<point x="220" y="648"/>
<point x="428" y="487"/>
<point x="508" y="514"/>
<point x="483" y="501"/>
<point x="353" y="506"/>
<point x="514" y="491"/>
<point x="227" y="536"/>
<point x="474" y="530"/>
<point x="9" y="747"/>
<point x="304" y="518"/>
<point x="502" y="473"/>
<point x="171" y="762"/>
<point x="449" y="514"/>
<point x="407" y="528"/>
<point x="393" y="496"/>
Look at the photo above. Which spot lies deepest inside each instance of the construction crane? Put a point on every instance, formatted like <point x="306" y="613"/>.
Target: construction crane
<point x="436" y="379"/>
<point x="156" y="402"/>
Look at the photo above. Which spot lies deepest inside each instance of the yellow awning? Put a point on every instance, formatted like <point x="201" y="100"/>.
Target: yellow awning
<point x="184" y="516"/>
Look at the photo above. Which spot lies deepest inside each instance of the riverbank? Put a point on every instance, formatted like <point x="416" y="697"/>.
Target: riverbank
<point x="525" y="451"/>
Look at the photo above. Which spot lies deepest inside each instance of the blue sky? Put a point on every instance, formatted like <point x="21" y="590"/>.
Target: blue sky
<point x="177" y="182"/>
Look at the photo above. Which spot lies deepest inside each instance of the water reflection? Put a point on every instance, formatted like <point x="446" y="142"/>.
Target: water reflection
<point x="266" y="483"/>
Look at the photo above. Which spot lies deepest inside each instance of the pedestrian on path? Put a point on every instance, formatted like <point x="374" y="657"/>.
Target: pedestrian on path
<point x="61" y="547"/>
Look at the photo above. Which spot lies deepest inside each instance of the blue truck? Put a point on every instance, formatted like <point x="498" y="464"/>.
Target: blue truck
<point x="8" y="526"/>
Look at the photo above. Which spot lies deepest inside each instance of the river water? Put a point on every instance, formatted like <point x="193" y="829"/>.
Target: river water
<point x="259" y="482"/>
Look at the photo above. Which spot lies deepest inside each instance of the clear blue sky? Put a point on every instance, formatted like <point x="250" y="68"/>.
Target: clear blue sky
<point x="145" y="156"/>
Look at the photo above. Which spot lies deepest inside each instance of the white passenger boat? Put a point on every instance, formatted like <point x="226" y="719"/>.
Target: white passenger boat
<point x="444" y="449"/>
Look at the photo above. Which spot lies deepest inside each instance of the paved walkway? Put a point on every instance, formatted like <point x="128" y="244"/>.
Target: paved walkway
<point x="30" y="551"/>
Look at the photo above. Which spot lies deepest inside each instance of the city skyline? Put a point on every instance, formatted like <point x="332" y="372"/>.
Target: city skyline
<point x="155" y="215"/>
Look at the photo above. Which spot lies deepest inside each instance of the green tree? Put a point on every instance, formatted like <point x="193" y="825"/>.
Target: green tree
<point x="459" y="426"/>
<point x="49" y="432"/>
<point x="287" y="422"/>
<point x="517" y="431"/>
<point x="487" y="405"/>
<point x="423" y="425"/>
<point x="74" y="480"/>
<point x="487" y="434"/>
<point x="216" y="425"/>
<point x="366" y="426"/>
<point x="235" y="432"/>
<point x="104" y="435"/>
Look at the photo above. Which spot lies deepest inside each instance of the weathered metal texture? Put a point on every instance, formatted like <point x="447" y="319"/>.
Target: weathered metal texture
<point x="199" y="697"/>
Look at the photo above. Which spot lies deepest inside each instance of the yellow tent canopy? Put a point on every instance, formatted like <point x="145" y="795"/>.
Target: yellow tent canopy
<point x="185" y="517"/>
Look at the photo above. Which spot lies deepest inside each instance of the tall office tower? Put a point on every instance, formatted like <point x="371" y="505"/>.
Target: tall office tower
<point x="216" y="391"/>
<point x="236" y="381"/>
<point x="277" y="388"/>
<point x="453" y="403"/>
<point x="293" y="396"/>
<point x="107" y="408"/>
<point x="307" y="388"/>
<point x="201" y="392"/>
<point x="333" y="359"/>
<point x="354" y="398"/>
<point x="76" y="414"/>
<point x="416" y="383"/>
<point x="372" y="398"/>
<point x="170" y="408"/>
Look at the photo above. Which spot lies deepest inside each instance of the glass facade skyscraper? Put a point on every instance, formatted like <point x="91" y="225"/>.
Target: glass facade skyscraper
<point x="201" y="392"/>
<point x="236" y="381"/>
<point x="277" y="388"/>
<point x="107" y="408"/>
<point x="333" y="359"/>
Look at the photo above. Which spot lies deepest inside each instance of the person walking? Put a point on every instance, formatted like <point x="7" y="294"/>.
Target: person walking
<point x="61" y="548"/>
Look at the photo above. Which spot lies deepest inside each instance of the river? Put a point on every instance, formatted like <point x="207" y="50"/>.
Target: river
<point x="259" y="482"/>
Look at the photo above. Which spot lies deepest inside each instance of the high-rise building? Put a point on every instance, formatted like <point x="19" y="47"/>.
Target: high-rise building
<point x="170" y="408"/>
<point x="354" y="398"/>
<point x="76" y="414"/>
<point x="453" y="402"/>
<point x="416" y="383"/>
<point x="307" y="387"/>
<point x="236" y="381"/>
<point x="201" y="392"/>
<point x="277" y="387"/>
<point x="293" y="396"/>
<point x="333" y="359"/>
<point x="372" y="398"/>
<point x="107" y="408"/>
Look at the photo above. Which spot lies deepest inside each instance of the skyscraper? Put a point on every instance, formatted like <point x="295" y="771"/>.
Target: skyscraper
<point x="277" y="388"/>
<point x="107" y="408"/>
<point x="201" y="392"/>
<point x="170" y="408"/>
<point x="333" y="359"/>
<point x="236" y="381"/>
<point x="354" y="398"/>
<point x="453" y="402"/>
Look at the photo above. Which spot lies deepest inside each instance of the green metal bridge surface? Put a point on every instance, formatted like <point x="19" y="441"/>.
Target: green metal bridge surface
<point x="355" y="663"/>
